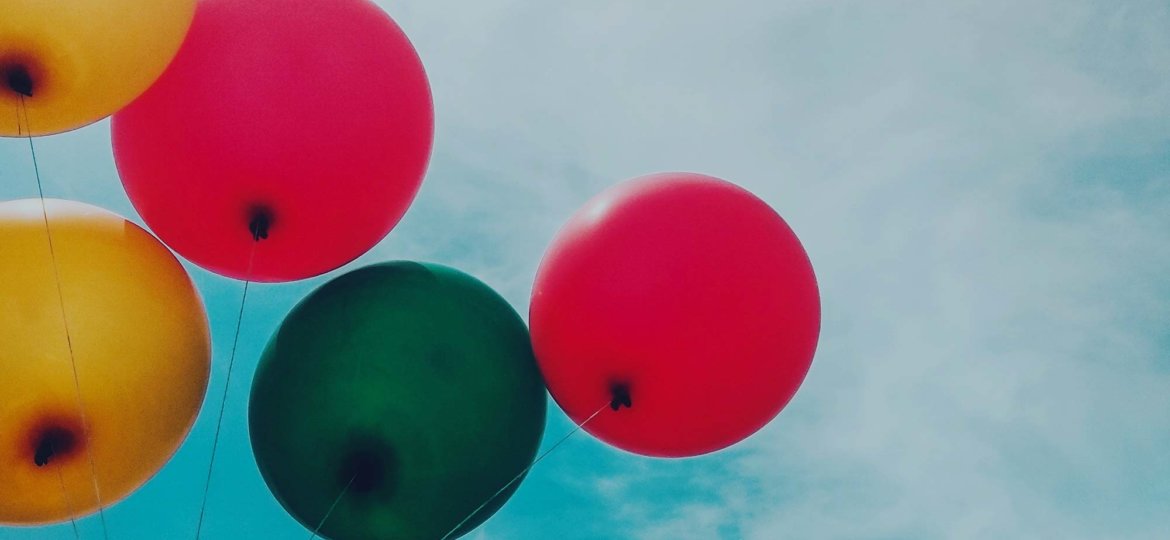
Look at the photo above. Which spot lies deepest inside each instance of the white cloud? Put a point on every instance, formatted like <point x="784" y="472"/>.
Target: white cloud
<point x="984" y="188"/>
<point x="981" y="186"/>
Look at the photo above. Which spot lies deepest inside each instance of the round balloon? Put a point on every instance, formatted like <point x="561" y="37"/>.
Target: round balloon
<point x="133" y="325"/>
<point x="412" y="384"/>
<point x="684" y="302"/>
<point x="304" y="125"/>
<point x="74" y="63"/>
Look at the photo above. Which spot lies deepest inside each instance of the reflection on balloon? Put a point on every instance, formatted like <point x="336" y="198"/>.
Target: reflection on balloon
<point x="304" y="124"/>
<point x="75" y="63"/>
<point x="138" y="335"/>
<point x="687" y="302"/>
<point x="414" y="385"/>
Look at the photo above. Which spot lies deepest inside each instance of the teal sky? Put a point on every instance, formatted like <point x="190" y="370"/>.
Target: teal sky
<point x="983" y="188"/>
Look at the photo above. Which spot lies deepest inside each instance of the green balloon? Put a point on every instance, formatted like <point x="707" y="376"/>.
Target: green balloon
<point x="413" y="384"/>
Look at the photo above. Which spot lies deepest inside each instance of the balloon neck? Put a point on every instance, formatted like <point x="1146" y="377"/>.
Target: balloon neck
<point x="19" y="80"/>
<point x="52" y="443"/>
<point x="258" y="226"/>
<point x="620" y="396"/>
<point x="367" y="468"/>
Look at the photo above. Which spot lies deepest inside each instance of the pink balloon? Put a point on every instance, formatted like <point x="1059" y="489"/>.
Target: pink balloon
<point x="684" y="302"/>
<point x="311" y="119"/>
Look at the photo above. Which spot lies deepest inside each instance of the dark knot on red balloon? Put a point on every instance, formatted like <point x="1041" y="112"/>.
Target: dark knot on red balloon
<point x="620" y="396"/>
<point x="261" y="220"/>
<point x="18" y="79"/>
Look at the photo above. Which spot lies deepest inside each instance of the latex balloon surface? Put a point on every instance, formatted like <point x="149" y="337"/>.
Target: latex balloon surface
<point x="313" y="117"/>
<point x="684" y="297"/>
<point x="414" y="385"/>
<point x="139" y="338"/>
<point x="79" y="61"/>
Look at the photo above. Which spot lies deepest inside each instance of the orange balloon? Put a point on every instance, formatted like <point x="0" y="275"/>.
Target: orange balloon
<point x="140" y="343"/>
<point x="75" y="62"/>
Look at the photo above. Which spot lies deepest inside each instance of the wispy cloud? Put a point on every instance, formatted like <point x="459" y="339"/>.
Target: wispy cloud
<point x="982" y="187"/>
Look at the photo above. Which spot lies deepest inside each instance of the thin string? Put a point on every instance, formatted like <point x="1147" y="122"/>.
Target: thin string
<point x="226" y="387"/>
<point x="65" y="497"/>
<point x="526" y="470"/>
<point x="332" y="507"/>
<point x="65" y="321"/>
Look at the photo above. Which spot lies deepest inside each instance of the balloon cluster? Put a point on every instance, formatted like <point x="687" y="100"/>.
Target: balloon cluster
<point x="674" y="315"/>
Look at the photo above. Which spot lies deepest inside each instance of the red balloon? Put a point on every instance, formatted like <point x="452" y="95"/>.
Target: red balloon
<point x="312" y="117"/>
<point x="685" y="296"/>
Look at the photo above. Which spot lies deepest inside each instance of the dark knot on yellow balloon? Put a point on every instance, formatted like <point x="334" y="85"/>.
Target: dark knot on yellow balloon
<point x="53" y="442"/>
<point x="18" y="79"/>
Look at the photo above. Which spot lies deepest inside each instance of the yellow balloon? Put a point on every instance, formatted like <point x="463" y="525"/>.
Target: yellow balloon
<point x="82" y="60"/>
<point x="140" y="343"/>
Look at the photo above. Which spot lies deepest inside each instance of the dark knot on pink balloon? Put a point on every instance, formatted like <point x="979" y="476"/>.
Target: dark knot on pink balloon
<point x="258" y="226"/>
<point x="620" y="396"/>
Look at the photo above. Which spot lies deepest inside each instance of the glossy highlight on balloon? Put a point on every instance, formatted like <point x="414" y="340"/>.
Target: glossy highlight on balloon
<point x="683" y="300"/>
<point x="138" y="335"/>
<point x="73" y="63"/>
<point x="314" y="116"/>
<point x="412" y="384"/>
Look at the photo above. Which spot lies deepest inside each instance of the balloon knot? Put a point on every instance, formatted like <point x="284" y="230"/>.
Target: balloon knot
<point x="51" y="443"/>
<point x="44" y="452"/>
<point x="368" y="467"/>
<point x="620" y="396"/>
<point x="19" y="80"/>
<point x="259" y="226"/>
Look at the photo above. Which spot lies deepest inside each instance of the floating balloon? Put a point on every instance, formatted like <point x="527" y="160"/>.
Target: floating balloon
<point x="305" y="125"/>
<point x="138" y="335"/>
<point x="683" y="301"/>
<point x="412" y="384"/>
<point x="76" y="62"/>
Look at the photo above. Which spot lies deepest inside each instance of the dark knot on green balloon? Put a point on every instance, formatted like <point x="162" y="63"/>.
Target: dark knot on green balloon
<point x="368" y="467"/>
<point x="620" y="393"/>
<point x="19" y="80"/>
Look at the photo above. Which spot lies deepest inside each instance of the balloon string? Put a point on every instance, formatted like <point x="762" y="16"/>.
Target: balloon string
<point x="65" y="497"/>
<point x="526" y="470"/>
<point x="226" y="387"/>
<point x="332" y="507"/>
<point x="65" y="321"/>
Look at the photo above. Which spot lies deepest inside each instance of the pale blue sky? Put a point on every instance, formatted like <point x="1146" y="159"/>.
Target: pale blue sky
<point x="983" y="188"/>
